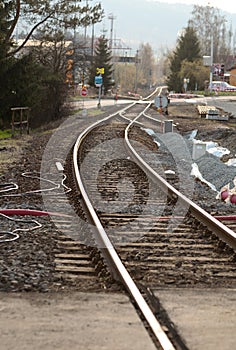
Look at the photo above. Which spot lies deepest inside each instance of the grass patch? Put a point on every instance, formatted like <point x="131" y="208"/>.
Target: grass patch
<point x="231" y="123"/>
<point x="220" y="93"/>
<point x="5" y="134"/>
<point x="90" y="111"/>
<point x="10" y="151"/>
<point x="94" y="112"/>
<point x="75" y="111"/>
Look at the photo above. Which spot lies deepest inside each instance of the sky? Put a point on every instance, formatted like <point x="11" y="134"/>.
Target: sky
<point x="225" y="5"/>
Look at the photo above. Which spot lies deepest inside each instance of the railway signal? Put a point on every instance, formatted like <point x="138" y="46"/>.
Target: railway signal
<point x="98" y="81"/>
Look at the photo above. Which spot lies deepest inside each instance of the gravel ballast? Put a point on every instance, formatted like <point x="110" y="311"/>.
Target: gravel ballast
<point x="27" y="264"/>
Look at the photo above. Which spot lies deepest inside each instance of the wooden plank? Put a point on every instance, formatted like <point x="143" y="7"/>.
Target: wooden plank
<point x="72" y="256"/>
<point x="75" y="269"/>
<point x="207" y="110"/>
<point x="19" y="108"/>
<point x="74" y="276"/>
<point x="72" y="262"/>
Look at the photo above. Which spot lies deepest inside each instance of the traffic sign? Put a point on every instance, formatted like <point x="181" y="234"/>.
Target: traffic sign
<point x="161" y="101"/>
<point x="84" y="91"/>
<point x="98" y="80"/>
<point x="100" y="70"/>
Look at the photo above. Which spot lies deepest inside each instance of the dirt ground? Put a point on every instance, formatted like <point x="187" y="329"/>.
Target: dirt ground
<point x="187" y="119"/>
<point x="76" y="321"/>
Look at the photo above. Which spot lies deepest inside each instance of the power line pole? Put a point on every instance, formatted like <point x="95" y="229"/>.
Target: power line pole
<point x="136" y="71"/>
<point x="211" y="68"/>
<point x="111" y="17"/>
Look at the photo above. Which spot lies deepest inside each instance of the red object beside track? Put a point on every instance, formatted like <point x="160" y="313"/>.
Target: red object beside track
<point x="23" y="212"/>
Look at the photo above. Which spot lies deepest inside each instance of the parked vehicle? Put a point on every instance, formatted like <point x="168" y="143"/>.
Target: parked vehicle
<point x="221" y="86"/>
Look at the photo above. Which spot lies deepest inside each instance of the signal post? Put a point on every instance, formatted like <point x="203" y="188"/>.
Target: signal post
<point x="98" y="83"/>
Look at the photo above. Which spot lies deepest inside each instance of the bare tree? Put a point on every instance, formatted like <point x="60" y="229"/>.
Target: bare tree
<point x="210" y="26"/>
<point x="147" y="64"/>
<point x="67" y="13"/>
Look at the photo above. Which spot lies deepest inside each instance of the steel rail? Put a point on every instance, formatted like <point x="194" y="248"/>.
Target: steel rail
<point x="157" y="120"/>
<point x="222" y="231"/>
<point x="109" y="253"/>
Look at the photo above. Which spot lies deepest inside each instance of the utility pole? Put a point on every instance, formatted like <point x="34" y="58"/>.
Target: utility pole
<point x="85" y="27"/>
<point x="92" y="41"/>
<point x="211" y="68"/>
<point x="111" y="17"/>
<point x="136" y="72"/>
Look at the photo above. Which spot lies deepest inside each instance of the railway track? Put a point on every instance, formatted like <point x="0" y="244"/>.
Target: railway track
<point x="155" y="238"/>
<point x="156" y="235"/>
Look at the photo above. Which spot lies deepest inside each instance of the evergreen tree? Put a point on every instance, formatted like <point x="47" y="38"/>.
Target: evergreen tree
<point x="187" y="49"/>
<point x="5" y="45"/>
<point x="102" y="59"/>
<point x="196" y="73"/>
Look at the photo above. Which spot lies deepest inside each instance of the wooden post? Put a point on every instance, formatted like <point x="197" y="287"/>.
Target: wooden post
<point x="12" y="123"/>
<point x="22" y="122"/>
<point x="28" y="121"/>
<point x="21" y="127"/>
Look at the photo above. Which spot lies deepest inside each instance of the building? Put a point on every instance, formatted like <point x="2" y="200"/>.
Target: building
<point x="232" y="76"/>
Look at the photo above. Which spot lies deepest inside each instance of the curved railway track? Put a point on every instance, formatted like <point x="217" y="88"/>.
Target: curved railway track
<point x="128" y="220"/>
<point x="147" y="232"/>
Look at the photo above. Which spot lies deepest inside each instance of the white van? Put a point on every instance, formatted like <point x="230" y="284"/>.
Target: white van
<point x="221" y="86"/>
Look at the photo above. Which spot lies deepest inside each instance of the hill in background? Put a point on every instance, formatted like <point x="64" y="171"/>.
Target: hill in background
<point x="145" y="21"/>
